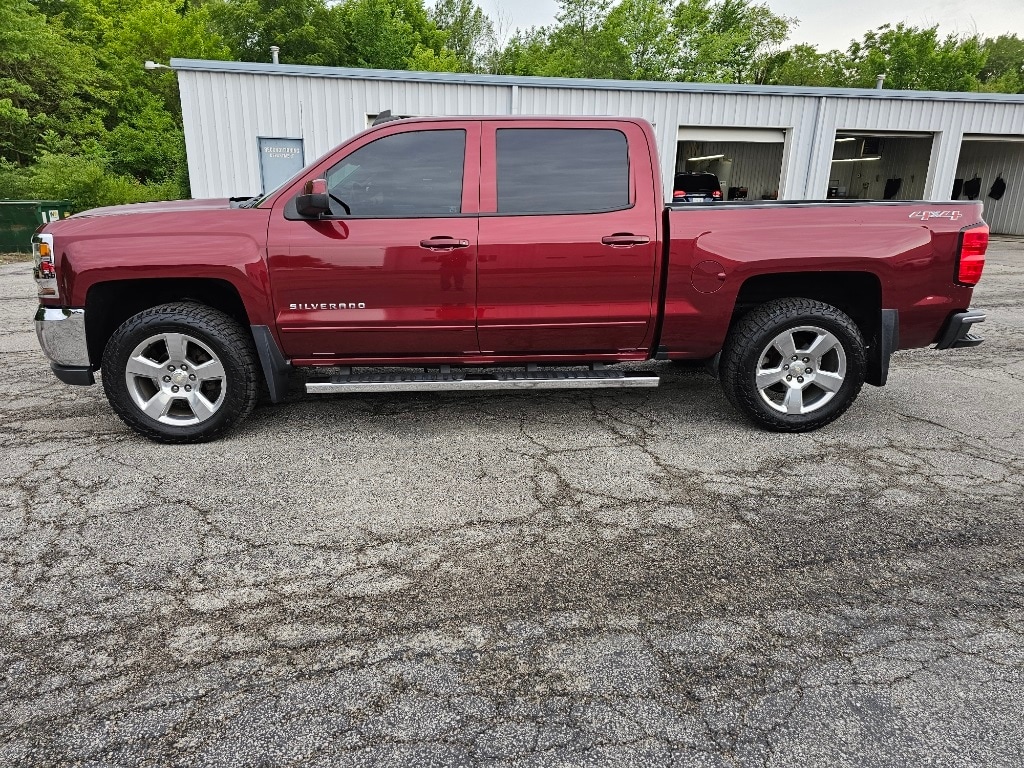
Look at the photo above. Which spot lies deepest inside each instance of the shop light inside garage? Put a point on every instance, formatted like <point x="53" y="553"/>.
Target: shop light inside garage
<point x="848" y="138"/>
<point x="858" y="159"/>
<point x="705" y="157"/>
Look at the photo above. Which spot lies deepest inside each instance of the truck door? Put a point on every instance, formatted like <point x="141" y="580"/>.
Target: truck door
<point x="394" y="274"/>
<point x="568" y="237"/>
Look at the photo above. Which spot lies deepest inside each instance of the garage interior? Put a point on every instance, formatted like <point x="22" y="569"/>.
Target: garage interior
<point x="879" y="166"/>
<point x="985" y="160"/>
<point x="747" y="161"/>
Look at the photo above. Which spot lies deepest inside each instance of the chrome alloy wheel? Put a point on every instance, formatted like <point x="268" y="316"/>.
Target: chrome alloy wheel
<point x="176" y="379"/>
<point x="801" y="370"/>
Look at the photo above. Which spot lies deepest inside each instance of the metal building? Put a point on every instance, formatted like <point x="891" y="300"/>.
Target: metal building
<point x="249" y="125"/>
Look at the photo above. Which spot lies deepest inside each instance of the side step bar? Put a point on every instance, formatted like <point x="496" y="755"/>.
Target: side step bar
<point x="433" y="381"/>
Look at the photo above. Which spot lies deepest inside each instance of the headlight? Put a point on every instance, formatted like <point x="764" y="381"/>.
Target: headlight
<point x="45" y="270"/>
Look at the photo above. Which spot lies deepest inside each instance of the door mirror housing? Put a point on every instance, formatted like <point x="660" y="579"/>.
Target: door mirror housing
<point x="314" y="201"/>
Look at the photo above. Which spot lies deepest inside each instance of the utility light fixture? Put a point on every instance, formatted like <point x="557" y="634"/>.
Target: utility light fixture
<point x="847" y="138"/>
<point x="153" y="65"/>
<point x="858" y="159"/>
<point x="705" y="157"/>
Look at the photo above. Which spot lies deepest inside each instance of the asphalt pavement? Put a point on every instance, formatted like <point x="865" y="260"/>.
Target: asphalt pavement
<point x="560" y="578"/>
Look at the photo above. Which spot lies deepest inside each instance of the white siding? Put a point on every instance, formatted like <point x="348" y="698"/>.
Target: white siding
<point x="227" y="106"/>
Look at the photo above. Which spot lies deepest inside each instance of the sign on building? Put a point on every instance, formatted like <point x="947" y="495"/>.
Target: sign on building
<point x="280" y="159"/>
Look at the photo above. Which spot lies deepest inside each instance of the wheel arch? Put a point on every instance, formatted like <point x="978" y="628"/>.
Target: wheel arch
<point x="109" y="304"/>
<point x="856" y="293"/>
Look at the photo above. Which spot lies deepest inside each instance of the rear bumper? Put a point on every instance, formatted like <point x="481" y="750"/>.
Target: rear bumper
<point x="957" y="331"/>
<point x="61" y="334"/>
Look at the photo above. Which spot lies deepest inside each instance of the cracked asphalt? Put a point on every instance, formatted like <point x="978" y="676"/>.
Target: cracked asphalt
<point x="545" y="579"/>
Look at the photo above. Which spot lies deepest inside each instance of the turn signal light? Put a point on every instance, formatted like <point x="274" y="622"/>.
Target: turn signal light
<point x="45" y="271"/>
<point x="971" y="260"/>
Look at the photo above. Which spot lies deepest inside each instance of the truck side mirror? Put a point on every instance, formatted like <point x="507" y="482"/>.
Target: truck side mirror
<point x="314" y="201"/>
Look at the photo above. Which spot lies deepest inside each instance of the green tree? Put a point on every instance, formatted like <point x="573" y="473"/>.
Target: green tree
<point x="647" y="48"/>
<point x="385" y="34"/>
<point x="915" y="59"/>
<point x="582" y="44"/>
<point x="47" y="83"/>
<point x="304" y="30"/>
<point x="469" y="33"/>
<point x="1004" y="64"/>
<point x="525" y="54"/>
<point x="804" y="65"/>
<point x="726" y="40"/>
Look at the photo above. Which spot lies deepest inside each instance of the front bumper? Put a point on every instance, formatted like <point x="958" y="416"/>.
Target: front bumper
<point x="957" y="331"/>
<point x="61" y="334"/>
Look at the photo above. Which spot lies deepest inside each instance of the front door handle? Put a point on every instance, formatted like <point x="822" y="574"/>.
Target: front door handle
<point x="444" y="243"/>
<point x="625" y="239"/>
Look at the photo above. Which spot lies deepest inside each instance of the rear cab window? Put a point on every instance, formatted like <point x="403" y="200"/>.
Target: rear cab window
<point x="549" y="167"/>
<point x="561" y="170"/>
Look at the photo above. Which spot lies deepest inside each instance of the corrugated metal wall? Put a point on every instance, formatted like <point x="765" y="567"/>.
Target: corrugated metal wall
<point x="990" y="160"/>
<point x="226" y="109"/>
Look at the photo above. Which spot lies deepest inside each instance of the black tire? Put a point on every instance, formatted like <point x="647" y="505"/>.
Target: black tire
<point x="748" y="347"/>
<point x="232" y="346"/>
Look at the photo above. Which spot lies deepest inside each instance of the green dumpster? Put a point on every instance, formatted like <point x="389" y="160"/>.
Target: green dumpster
<point x="20" y="218"/>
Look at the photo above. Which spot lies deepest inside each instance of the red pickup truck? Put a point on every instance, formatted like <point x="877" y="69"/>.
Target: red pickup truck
<point x="479" y="253"/>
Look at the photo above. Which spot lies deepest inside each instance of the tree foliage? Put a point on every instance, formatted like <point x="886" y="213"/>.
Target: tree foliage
<point x="469" y="33"/>
<point x="726" y="41"/>
<point x="80" y="117"/>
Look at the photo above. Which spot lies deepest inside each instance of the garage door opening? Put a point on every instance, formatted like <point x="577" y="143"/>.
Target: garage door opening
<point x="879" y="166"/>
<point x="747" y="162"/>
<point x="991" y="169"/>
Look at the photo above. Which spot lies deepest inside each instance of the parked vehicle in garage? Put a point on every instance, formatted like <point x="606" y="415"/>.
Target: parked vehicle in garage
<point x="449" y="252"/>
<point x="696" y="188"/>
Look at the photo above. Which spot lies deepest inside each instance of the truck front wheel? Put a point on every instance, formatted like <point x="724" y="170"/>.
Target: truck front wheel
<point x="180" y="373"/>
<point x="793" y="365"/>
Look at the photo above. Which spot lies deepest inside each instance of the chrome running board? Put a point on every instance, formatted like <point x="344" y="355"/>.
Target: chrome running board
<point x="460" y="381"/>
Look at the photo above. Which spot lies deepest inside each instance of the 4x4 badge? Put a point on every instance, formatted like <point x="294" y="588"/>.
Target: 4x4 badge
<point x="926" y="215"/>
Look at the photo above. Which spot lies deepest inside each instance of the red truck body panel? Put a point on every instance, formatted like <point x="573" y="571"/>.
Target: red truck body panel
<point x="177" y="239"/>
<point x="545" y="287"/>
<point x="713" y="250"/>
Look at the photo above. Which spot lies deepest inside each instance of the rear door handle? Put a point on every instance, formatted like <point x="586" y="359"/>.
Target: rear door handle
<point x="444" y="243"/>
<point x="625" y="239"/>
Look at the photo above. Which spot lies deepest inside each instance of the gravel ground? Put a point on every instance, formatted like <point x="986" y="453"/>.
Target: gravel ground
<point x="615" y="578"/>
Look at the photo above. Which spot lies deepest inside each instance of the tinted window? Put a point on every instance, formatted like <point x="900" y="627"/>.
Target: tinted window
<point x="562" y="170"/>
<point x="403" y="175"/>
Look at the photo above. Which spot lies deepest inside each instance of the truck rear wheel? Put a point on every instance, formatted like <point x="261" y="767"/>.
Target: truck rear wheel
<point x="793" y="365"/>
<point x="180" y="373"/>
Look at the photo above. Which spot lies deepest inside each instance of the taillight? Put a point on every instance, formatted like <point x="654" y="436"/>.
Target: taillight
<point x="45" y="271"/>
<point x="717" y="194"/>
<point x="971" y="260"/>
<point x="679" y="193"/>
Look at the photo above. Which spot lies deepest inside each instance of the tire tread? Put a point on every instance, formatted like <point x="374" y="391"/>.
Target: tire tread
<point x="746" y="337"/>
<point x="207" y="320"/>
